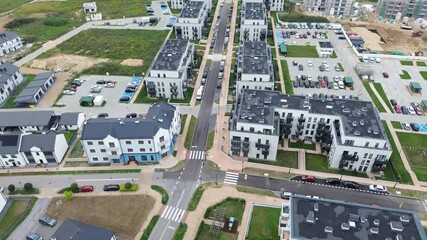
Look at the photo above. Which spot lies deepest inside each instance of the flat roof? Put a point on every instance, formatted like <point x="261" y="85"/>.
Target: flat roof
<point x="169" y="56"/>
<point x="192" y="9"/>
<point x="256" y="48"/>
<point x="255" y="11"/>
<point x="256" y="65"/>
<point x="416" y="85"/>
<point x="255" y="58"/>
<point x="325" y="44"/>
<point x="332" y="219"/>
<point x="25" y="118"/>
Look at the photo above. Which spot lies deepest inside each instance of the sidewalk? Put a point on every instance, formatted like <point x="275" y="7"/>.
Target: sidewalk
<point x="279" y="65"/>
<point x="374" y="90"/>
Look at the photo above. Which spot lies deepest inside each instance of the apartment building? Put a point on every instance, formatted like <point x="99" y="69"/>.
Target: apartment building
<point x="9" y="42"/>
<point x="254" y="67"/>
<point x="10" y="78"/>
<point x="408" y="8"/>
<point x="191" y="22"/>
<point x="253" y="24"/>
<point x="271" y="5"/>
<point x="169" y="72"/>
<point x="122" y="140"/>
<point x="350" y="131"/>
<point x="180" y="4"/>
<point x="337" y="8"/>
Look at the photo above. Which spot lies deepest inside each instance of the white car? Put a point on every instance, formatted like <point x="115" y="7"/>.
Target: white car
<point x="365" y="59"/>
<point x="377" y="60"/>
<point x="68" y="92"/>
<point x="378" y="188"/>
<point x="296" y="36"/>
<point x="341" y="84"/>
<point x="109" y="85"/>
<point x="411" y="110"/>
<point x="371" y="60"/>
<point x="336" y="78"/>
<point x="326" y="68"/>
<point x="406" y="126"/>
<point x="335" y="86"/>
<point x="310" y="64"/>
<point x="309" y="77"/>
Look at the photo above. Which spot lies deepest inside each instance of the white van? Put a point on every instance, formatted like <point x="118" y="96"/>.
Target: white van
<point x="199" y="93"/>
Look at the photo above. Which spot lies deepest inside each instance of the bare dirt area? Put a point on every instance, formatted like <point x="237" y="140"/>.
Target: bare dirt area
<point x="132" y="62"/>
<point x="62" y="78"/>
<point x="121" y="214"/>
<point x="72" y="63"/>
<point x="4" y="20"/>
<point x="30" y="71"/>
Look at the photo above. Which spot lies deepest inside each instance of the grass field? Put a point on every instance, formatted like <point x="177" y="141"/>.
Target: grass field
<point x="405" y="75"/>
<point x="12" y="215"/>
<point x="287" y="78"/>
<point x="180" y="232"/>
<point x="197" y="195"/>
<point x="262" y="172"/>
<point x="396" y="125"/>
<point x="374" y="98"/>
<point x="263" y="223"/>
<point x="283" y="159"/>
<point x="77" y="151"/>
<point x="210" y="141"/>
<point x="317" y="162"/>
<point x="308" y="146"/>
<point x="276" y="71"/>
<point x="380" y="91"/>
<point x="298" y="17"/>
<point x="423" y="74"/>
<point x="407" y="63"/>
<point x="125" y="214"/>
<point x="415" y="147"/>
<point x="7" y="5"/>
<point x="203" y="233"/>
<point x="302" y="51"/>
<point x="234" y="207"/>
<point x="256" y="191"/>
<point x="190" y="132"/>
<point x="421" y="64"/>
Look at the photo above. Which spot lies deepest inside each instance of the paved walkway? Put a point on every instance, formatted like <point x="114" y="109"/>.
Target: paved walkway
<point x="279" y="65"/>
<point x="385" y="106"/>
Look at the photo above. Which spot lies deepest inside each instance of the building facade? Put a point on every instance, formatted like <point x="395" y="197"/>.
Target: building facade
<point x="271" y="5"/>
<point x="254" y="67"/>
<point x="180" y="4"/>
<point x="324" y="49"/>
<point x="191" y="22"/>
<point x="408" y="8"/>
<point x="117" y="140"/>
<point x="349" y="131"/>
<point x="253" y="24"/>
<point x="10" y="78"/>
<point x="169" y="72"/>
<point x="337" y="8"/>
<point x="9" y="42"/>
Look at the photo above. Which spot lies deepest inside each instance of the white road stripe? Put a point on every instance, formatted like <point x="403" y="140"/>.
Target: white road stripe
<point x="233" y="183"/>
<point x="164" y="211"/>
<point x="231" y="178"/>
<point x="232" y="173"/>
<point x="107" y="179"/>
<point x="170" y="213"/>
<point x="173" y="214"/>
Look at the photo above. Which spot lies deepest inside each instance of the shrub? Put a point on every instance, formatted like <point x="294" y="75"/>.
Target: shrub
<point x="55" y="22"/>
<point x="68" y="195"/>
<point x="74" y="188"/>
<point x="128" y="185"/>
<point x="19" y="22"/>
<point x="28" y="187"/>
<point x="11" y="188"/>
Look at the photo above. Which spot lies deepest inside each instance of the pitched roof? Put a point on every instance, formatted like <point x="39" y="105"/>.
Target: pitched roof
<point x="162" y="112"/>
<point x="72" y="229"/>
<point x="69" y="118"/>
<point x="46" y="142"/>
<point x="7" y="36"/>
<point x="37" y="84"/>
<point x="25" y="118"/>
<point x="7" y="70"/>
<point x="9" y="144"/>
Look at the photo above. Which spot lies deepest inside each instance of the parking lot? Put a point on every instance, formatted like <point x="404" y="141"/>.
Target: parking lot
<point x="302" y="37"/>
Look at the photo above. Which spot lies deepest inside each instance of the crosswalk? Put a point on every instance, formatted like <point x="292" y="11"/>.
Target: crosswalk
<point x="172" y="213"/>
<point x="231" y="178"/>
<point x="197" y="155"/>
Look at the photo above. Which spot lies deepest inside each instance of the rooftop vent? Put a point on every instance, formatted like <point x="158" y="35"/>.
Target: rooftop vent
<point x="283" y="100"/>
<point x="357" y="133"/>
<point x="261" y="120"/>
<point x="354" y="217"/>
<point x="160" y="120"/>
<point x="310" y="218"/>
<point x="359" y="113"/>
<point x="399" y="237"/>
<point x="364" y="109"/>
<point x="121" y="122"/>
<point x="362" y="122"/>
<point x="376" y="222"/>
<point x="369" y="130"/>
<point x="376" y="132"/>
<point x="346" y="110"/>
<point x="316" y="207"/>
<point x="374" y="230"/>
<point x="354" y="123"/>
<point x="329" y="107"/>
<point x="405" y="218"/>
<point x="328" y="229"/>
<point x="352" y="224"/>
<point x="345" y="226"/>
<point x="396" y="226"/>
<point x="137" y="121"/>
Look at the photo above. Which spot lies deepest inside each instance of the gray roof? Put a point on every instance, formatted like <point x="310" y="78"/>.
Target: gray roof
<point x="192" y="9"/>
<point x="46" y="142"/>
<point x="333" y="214"/>
<point x="9" y="144"/>
<point x="69" y="118"/>
<point x="7" y="36"/>
<point x="255" y="11"/>
<point x="257" y="48"/>
<point x="72" y="229"/>
<point x="255" y="58"/>
<point x="25" y="118"/>
<point x="37" y="84"/>
<point x="325" y="44"/>
<point x="7" y="70"/>
<point x="159" y="115"/>
<point x="169" y="56"/>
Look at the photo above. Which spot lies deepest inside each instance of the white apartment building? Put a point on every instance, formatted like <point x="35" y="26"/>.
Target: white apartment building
<point x="117" y="140"/>
<point x="179" y="4"/>
<point x="271" y="5"/>
<point x="9" y="42"/>
<point x="253" y="25"/>
<point x="254" y="67"/>
<point x="192" y="20"/>
<point x="337" y="8"/>
<point x="408" y="8"/>
<point x="10" y="78"/>
<point x="349" y="130"/>
<point x="169" y="72"/>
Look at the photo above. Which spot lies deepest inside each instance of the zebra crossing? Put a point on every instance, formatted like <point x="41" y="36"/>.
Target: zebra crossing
<point x="172" y="213"/>
<point x="197" y="155"/>
<point x="231" y="178"/>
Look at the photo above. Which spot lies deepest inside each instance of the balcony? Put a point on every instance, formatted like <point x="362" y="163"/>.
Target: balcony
<point x="151" y="91"/>
<point x="246" y="143"/>
<point x="236" y="142"/>
<point x="234" y="148"/>
<point x="301" y="120"/>
<point x="265" y="152"/>
<point x="378" y="167"/>
<point x="347" y="157"/>
<point x="262" y="145"/>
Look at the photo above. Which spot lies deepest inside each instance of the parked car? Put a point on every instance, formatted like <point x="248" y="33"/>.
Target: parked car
<point x="385" y="74"/>
<point x="350" y="184"/>
<point x="295" y="84"/>
<point x="404" y="110"/>
<point x="301" y="67"/>
<point x="33" y="236"/>
<point x="341" y="85"/>
<point x="393" y="102"/>
<point x="406" y="126"/>
<point x="414" y="104"/>
<point x="86" y="188"/>
<point x="101" y="82"/>
<point x="78" y="82"/>
<point x="323" y="84"/>
<point x="332" y="181"/>
<point x="411" y="110"/>
<point x="335" y="86"/>
<point x="109" y="85"/>
<point x="130" y="89"/>
<point x="220" y="75"/>
<point x="206" y="72"/>
<point x="131" y="115"/>
<point x="397" y="109"/>
<point x="103" y="115"/>
<point x="418" y="111"/>
<point x="337" y="68"/>
<point x="95" y="89"/>
<point x="307" y="178"/>
<point x="47" y="221"/>
<point x="295" y="63"/>
<point x="68" y="92"/>
<point x="286" y="195"/>
<point x="377" y="188"/>
<point x="415" y="127"/>
<point x="111" y="187"/>
<point x="222" y="64"/>
<point x="310" y="63"/>
<point x="124" y="99"/>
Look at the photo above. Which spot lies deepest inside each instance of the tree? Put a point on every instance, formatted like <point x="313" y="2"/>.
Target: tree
<point x="11" y="188"/>
<point x="128" y="185"/>
<point x="74" y="188"/>
<point x="68" y="195"/>
<point x="28" y="187"/>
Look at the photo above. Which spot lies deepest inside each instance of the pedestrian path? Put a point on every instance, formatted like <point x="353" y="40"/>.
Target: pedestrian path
<point x="173" y="214"/>
<point x="197" y="155"/>
<point x="231" y="178"/>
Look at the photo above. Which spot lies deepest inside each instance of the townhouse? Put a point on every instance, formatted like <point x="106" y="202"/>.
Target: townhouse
<point x="408" y="8"/>
<point x="350" y="131"/>
<point x="337" y="8"/>
<point x="191" y="22"/>
<point x="35" y="90"/>
<point x="117" y="140"/>
<point x="254" y="67"/>
<point x="10" y="78"/>
<point x="169" y="72"/>
<point x="253" y="24"/>
<point x="9" y="42"/>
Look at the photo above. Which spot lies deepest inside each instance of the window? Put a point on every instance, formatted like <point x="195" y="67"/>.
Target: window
<point x="37" y="154"/>
<point x="328" y="121"/>
<point x="90" y="143"/>
<point x="315" y="120"/>
<point x="162" y="138"/>
<point x="365" y="156"/>
<point x="3" y="156"/>
<point x="306" y="132"/>
<point x="151" y="149"/>
<point x="370" y="156"/>
<point x="149" y="142"/>
<point x="367" y="144"/>
<point x="140" y="142"/>
<point x="251" y="129"/>
<point x="376" y="145"/>
<point x="308" y="125"/>
<point x="92" y="150"/>
<point x="113" y="152"/>
<point x="95" y="159"/>
<point x="105" y="159"/>
<point x="13" y="155"/>
<point x="103" y="150"/>
<point x="128" y="142"/>
<point x="130" y="150"/>
<point x="111" y="144"/>
<point x="142" y="149"/>
<point x="349" y="142"/>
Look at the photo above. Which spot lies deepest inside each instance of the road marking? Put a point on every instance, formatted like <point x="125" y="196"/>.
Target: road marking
<point x="197" y="155"/>
<point x="231" y="178"/>
<point x="173" y="214"/>
<point x="172" y="191"/>
<point x="179" y="177"/>
<point x="176" y="182"/>
<point x="183" y="169"/>
<point x="107" y="179"/>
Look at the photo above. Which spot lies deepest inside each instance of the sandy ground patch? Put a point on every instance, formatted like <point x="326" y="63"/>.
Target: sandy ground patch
<point x="31" y="71"/>
<point x="132" y="62"/>
<point x="4" y="20"/>
<point x="372" y="40"/>
<point x="72" y="63"/>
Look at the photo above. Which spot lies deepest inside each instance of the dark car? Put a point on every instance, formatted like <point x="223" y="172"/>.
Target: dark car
<point x="124" y="99"/>
<point x="221" y="68"/>
<point x="303" y="77"/>
<point x="205" y="73"/>
<point x="101" y="82"/>
<point x="301" y="84"/>
<point x="314" y="95"/>
<point x="295" y="84"/>
<point x="312" y="85"/>
<point x="47" y="221"/>
<point x="393" y="102"/>
<point x="111" y="187"/>
<point x="414" y="104"/>
<point x="130" y="89"/>
<point x="404" y="110"/>
<point x="77" y="82"/>
<point x="301" y="67"/>
<point x="329" y="85"/>
<point x="131" y="115"/>
<point x="33" y="236"/>
<point x="103" y="115"/>
<point x="415" y="127"/>
<point x="332" y="181"/>
<point x="306" y="85"/>
<point x="318" y="85"/>
<point x="352" y="185"/>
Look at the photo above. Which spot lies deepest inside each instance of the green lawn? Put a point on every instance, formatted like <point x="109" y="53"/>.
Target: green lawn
<point x="407" y="63"/>
<point x="264" y="223"/>
<point x="69" y="135"/>
<point x="308" y="146"/>
<point x="412" y="140"/>
<point x="180" y="232"/>
<point x="381" y="92"/>
<point x="405" y="75"/>
<point x="283" y="159"/>
<point x="256" y="191"/>
<point x="302" y="51"/>
<point x="183" y="120"/>
<point x="27" y="80"/>
<point x="163" y="192"/>
<point x="10" y="103"/>
<point x="317" y="162"/>
<point x="270" y="38"/>
<point x="203" y="233"/>
<point x="175" y="11"/>
<point x="150" y="227"/>
<point x="12" y="215"/>
<point x="423" y="74"/>
<point x="278" y="87"/>
<point x="299" y="17"/>
<point x="133" y="188"/>
<point x="210" y="141"/>
<point x="195" y="199"/>
<point x="276" y="71"/>
<point x="421" y="64"/>
<point x="374" y="98"/>
<point x="234" y="207"/>
<point x="71" y="172"/>
<point x="7" y="5"/>
<point x="273" y="53"/>
<point x="287" y="78"/>
<point x="396" y="124"/>
<point x="77" y="151"/>
<point x="415" y="148"/>
<point x="190" y="132"/>
<point x="341" y="67"/>
<point x="187" y="99"/>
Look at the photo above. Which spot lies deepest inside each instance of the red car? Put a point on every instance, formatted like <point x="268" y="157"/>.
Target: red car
<point x="385" y="74"/>
<point x="307" y="178"/>
<point x="323" y="84"/>
<point x="87" y="188"/>
<point x="397" y="109"/>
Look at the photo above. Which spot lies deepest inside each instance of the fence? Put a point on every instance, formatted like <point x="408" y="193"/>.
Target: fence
<point x="256" y="204"/>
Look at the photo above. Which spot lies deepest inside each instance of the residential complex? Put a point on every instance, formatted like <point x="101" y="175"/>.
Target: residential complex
<point x="9" y="42"/>
<point x="76" y="230"/>
<point x="253" y="24"/>
<point x="309" y="218"/>
<point x="179" y="4"/>
<point x="192" y="20"/>
<point x="255" y="67"/>
<point x="349" y="130"/>
<point x="10" y="79"/>
<point x="170" y="70"/>
<point x="337" y="8"/>
<point x="121" y="140"/>
<point x="408" y="8"/>
<point x="35" y="90"/>
<point x="274" y="5"/>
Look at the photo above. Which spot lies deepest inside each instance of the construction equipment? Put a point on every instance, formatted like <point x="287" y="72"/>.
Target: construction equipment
<point x="417" y="34"/>
<point x="419" y="53"/>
